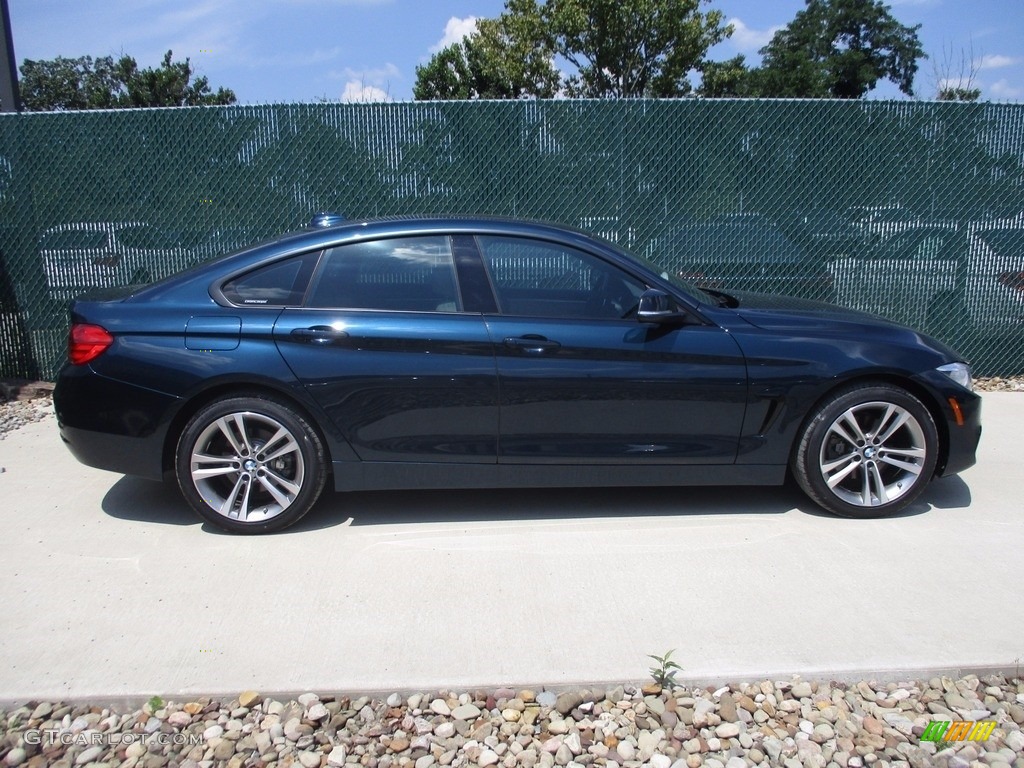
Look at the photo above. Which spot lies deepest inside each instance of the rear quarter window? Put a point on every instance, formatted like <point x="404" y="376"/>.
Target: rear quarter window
<point x="280" y="284"/>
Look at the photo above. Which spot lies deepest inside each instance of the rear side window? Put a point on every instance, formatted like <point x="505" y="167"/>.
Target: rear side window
<point x="404" y="274"/>
<point x="280" y="284"/>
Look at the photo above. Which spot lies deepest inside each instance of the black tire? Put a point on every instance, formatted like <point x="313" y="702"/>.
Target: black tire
<point x="234" y="484"/>
<point x="876" y="443"/>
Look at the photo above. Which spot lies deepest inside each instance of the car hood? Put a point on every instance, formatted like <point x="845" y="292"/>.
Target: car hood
<point x="790" y="315"/>
<point x="773" y="312"/>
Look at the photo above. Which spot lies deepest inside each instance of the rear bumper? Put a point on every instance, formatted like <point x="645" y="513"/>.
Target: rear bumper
<point x="112" y="425"/>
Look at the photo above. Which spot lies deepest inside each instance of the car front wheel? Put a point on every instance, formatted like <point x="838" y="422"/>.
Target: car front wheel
<point x="868" y="451"/>
<point x="250" y="464"/>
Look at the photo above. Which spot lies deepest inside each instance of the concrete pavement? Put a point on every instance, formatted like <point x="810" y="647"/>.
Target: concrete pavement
<point x="112" y="590"/>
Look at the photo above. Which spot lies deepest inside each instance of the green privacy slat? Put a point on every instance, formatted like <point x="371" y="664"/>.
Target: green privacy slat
<point x="911" y="210"/>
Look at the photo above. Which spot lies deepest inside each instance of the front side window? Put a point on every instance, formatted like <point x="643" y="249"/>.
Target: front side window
<point x="541" y="279"/>
<point x="405" y="274"/>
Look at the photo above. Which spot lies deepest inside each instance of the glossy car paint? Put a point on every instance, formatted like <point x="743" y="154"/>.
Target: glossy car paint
<point x="435" y="399"/>
<point x="400" y="386"/>
<point x="617" y="392"/>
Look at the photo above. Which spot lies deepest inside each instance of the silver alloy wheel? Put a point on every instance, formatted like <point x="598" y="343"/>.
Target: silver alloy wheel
<point x="247" y="466"/>
<point x="873" y="454"/>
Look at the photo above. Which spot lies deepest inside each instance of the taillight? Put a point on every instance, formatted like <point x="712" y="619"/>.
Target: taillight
<point x="1014" y="280"/>
<point x="86" y="342"/>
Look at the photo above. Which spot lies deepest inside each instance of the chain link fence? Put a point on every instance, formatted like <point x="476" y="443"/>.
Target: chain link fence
<point x="914" y="211"/>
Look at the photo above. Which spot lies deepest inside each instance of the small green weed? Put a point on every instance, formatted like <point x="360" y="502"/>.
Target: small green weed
<point x="664" y="672"/>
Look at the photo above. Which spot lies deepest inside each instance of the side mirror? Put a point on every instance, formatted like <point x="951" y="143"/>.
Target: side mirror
<point x="656" y="307"/>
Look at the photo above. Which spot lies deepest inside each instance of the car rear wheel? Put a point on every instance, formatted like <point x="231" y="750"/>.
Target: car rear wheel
<point x="250" y="465"/>
<point x="868" y="451"/>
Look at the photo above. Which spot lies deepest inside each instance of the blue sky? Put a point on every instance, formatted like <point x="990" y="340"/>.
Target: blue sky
<point x="352" y="50"/>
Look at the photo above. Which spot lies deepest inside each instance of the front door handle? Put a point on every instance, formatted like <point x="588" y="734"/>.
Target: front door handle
<point x="319" y="334"/>
<point x="532" y="344"/>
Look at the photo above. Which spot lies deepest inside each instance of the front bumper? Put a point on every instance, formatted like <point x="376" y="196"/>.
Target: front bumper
<point x="960" y="424"/>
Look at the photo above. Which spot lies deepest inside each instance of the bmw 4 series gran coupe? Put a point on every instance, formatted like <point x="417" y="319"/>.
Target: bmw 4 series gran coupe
<point x="475" y="352"/>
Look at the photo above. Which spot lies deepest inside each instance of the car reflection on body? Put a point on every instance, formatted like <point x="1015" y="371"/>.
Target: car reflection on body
<point x="457" y="353"/>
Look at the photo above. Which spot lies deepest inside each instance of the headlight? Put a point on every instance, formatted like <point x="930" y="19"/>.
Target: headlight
<point x="958" y="372"/>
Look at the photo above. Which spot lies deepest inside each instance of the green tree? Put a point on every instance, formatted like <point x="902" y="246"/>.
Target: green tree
<point x="838" y="49"/>
<point x="103" y="83"/>
<point x="616" y="49"/>
<point x="506" y="58"/>
<point x="65" y="84"/>
<point x="957" y="93"/>
<point x="446" y="76"/>
<point x="632" y="48"/>
<point x="725" y="78"/>
<point x="169" y="85"/>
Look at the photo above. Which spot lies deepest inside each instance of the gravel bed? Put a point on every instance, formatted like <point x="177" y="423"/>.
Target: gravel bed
<point x="19" y="413"/>
<point x="999" y="384"/>
<point x="794" y="724"/>
<point x="23" y="403"/>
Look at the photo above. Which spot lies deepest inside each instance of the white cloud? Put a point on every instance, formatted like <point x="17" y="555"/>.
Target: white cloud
<point x="995" y="61"/>
<point x="361" y="93"/>
<point x="1002" y="89"/>
<point x="379" y="76"/>
<point x="368" y="84"/>
<point x="454" y="31"/>
<point x="749" y="40"/>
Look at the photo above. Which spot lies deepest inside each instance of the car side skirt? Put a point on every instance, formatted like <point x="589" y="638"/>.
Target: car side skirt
<point x="369" y="476"/>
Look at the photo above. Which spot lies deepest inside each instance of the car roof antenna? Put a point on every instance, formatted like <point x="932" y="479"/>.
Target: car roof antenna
<point x="325" y="219"/>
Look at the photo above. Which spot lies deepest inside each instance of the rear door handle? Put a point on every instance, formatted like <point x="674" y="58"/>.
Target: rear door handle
<point x="319" y="334"/>
<point x="532" y="344"/>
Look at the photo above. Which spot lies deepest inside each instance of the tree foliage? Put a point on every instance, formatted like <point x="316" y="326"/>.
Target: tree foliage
<point x="447" y="76"/>
<point x="509" y="57"/>
<point x="958" y="93"/>
<point x="103" y="83"/>
<point x="831" y="49"/>
<point x="725" y="78"/>
<point x="630" y="48"/>
<point x="613" y="48"/>
<point x="842" y="48"/>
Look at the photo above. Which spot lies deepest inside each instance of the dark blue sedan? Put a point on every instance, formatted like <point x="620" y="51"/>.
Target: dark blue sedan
<point x="468" y="353"/>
